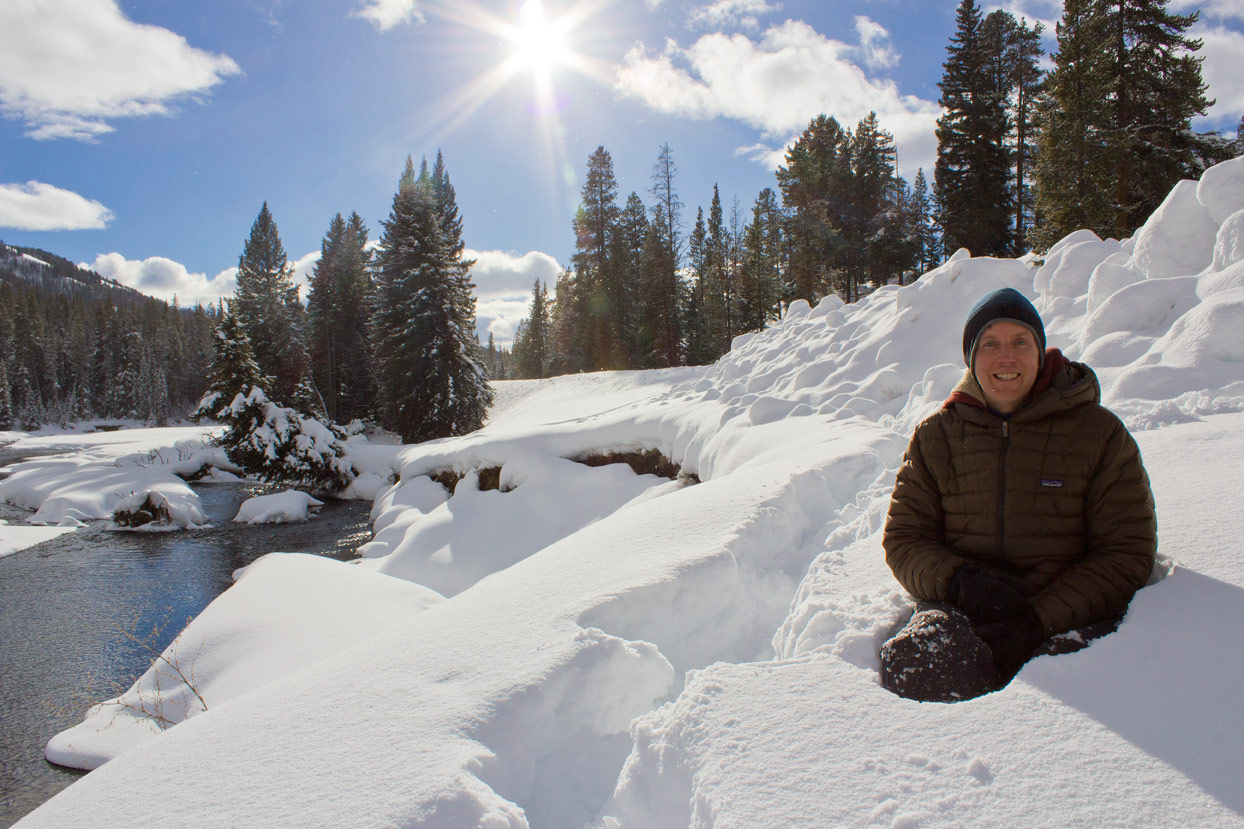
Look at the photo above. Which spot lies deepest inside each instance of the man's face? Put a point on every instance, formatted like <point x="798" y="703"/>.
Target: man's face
<point x="1006" y="365"/>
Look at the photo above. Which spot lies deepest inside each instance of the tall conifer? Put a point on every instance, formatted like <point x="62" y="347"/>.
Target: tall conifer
<point x="972" y="168"/>
<point x="268" y="309"/>
<point x="429" y="382"/>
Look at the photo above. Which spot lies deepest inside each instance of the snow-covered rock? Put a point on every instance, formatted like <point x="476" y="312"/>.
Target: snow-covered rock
<point x="278" y="508"/>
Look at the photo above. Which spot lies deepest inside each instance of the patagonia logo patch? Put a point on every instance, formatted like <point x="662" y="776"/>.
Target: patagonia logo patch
<point x="1052" y="483"/>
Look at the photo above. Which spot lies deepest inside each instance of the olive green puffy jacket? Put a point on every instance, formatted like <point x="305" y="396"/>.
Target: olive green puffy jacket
<point x="1056" y="495"/>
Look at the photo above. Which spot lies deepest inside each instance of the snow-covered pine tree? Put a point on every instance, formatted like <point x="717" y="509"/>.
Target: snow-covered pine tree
<point x="272" y="442"/>
<point x="281" y="445"/>
<point x="267" y="307"/>
<point x="429" y="381"/>
<point x="233" y="372"/>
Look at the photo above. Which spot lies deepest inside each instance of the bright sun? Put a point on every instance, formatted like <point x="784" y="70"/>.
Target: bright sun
<point x="539" y="43"/>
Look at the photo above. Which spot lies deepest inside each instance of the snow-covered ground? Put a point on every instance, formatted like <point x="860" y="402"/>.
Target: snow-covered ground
<point x="90" y="475"/>
<point x="622" y="650"/>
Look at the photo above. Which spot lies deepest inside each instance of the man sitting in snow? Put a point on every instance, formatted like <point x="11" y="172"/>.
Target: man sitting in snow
<point x="1021" y="512"/>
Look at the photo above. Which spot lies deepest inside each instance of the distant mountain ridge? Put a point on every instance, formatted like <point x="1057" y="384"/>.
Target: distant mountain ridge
<point x="56" y="276"/>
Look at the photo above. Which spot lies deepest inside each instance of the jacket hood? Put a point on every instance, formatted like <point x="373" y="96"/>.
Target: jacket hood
<point x="1060" y="384"/>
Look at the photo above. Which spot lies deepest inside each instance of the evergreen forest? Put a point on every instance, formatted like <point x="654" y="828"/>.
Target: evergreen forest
<point x="76" y="346"/>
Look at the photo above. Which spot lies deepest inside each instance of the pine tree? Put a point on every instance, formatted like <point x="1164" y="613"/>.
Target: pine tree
<point x="876" y="232"/>
<point x="267" y="307"/>
<point x="6" y="399"/>
<point x="1073" y="186"/>
<point x="699" y="345"/>
<point x="1116" y="125"/>
<point x="660" y="302"/>
<point x="928" y="246"/>
<point x="661" y="289"/>
<point x="716" y="291"/>
<point x="570" y="323"/>
<point x="7" y="413"/>
<point x="1027" y="82"/>
<point x="234" y="370"/>
<point x="625" y="286"/>
<point x="1154" y="90"/>
<point x="533" y="358"/>
<point x="761" y="277"/>
<point x="323" y="300"/>
<point x="337" y="315"/>
<point x="815" y="184"/>
<point x="355" y="391"/>
<point x="596" y="276"/>
<point x="972" y="168"/>
<point x="429" y="381"/>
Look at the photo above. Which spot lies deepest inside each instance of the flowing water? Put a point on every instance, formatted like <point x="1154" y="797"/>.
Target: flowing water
<point x="69" y="607"/>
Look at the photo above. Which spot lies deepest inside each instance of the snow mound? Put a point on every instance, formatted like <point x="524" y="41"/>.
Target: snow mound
<point x="278" y="508"/>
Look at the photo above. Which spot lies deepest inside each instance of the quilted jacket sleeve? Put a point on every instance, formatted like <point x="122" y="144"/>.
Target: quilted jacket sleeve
<point x="914" y="538"/>
<point x="1121" y="525"/>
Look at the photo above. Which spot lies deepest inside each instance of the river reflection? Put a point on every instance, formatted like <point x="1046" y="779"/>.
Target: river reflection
<point x="65" y="603"/>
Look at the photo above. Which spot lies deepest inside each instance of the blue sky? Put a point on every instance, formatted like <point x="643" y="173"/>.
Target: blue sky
<point x="141" y="138"/>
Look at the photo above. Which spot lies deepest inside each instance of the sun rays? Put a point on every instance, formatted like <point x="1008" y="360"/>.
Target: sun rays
<point x="531" y="52"/>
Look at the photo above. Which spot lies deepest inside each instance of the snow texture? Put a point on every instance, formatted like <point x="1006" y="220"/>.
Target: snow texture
<point x="614" y="651"/>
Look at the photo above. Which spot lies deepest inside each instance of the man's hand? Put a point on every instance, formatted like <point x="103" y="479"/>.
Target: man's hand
<point x="987" y="596"/>
<point x="1012" y="641"/>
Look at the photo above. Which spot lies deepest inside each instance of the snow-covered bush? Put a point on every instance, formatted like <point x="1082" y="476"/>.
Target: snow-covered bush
<point x="282" y="446"/>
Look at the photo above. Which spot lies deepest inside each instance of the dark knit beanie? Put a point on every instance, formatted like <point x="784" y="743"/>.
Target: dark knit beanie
<point x="1003" y="304"/>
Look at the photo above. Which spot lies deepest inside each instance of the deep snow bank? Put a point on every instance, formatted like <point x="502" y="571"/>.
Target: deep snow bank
<point x="517" y="700"/>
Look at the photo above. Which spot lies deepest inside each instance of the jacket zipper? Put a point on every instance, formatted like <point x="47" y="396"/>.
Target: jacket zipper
<point x="1006" y="443"/>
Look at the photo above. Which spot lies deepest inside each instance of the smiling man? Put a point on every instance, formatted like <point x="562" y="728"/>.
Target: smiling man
<point x="1021" y="512"/>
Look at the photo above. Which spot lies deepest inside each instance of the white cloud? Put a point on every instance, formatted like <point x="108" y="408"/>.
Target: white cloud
<point x="725" y="13"/>
<point x="503" y="283"/>
<point x="38" y="206"/>
<point x="164" y="278"/>
<point x="1045" y="12"/>
<point x="1223" y="50"/>
<point x="876" y="50"/>
<point x="67" y="67"/>
<point x="777" y="84"/>
<point x="387" y="14"/>
<point x="302" y="272"/>
<point x="1210" y="9"/>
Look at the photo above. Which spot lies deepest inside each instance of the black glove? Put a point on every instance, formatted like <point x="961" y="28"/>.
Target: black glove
<point x="1012" y="641"/>
<point x="987" y="596"/>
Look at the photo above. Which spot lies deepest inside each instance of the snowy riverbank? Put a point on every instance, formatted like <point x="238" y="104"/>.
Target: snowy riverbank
<point x="623" y="650"/>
